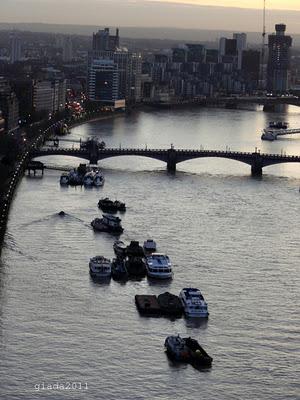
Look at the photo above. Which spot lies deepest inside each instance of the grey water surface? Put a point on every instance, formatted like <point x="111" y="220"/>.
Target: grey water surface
<point x="235" y="237"/>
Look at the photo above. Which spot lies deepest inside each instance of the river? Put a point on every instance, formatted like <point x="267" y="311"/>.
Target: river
<point x="235" y="237"/>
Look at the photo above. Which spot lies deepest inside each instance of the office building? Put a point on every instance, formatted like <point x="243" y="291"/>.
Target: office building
<point x="241" y="45"/>
<point x="103" y="81"/>
<point x="279" y="60"/>
<point x="15" y="48"/>
<point x="103" y="41"/>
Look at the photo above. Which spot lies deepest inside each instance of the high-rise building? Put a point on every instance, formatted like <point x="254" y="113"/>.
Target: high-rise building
<point x="103" y="41"/>
<point x="103" y="81"/>
<point x="195" y="53"/>
<point x="15" y="48"/>
<point x="49" y="95"/>
<point x="241" y="44"/>
<point x="67" y="49"/>
<point x="106" y="56"/>
<point x="279" y="60"/>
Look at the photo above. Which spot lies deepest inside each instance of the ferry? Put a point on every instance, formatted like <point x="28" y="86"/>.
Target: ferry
<point x="108" y="223"/>
<point x="120" y="249"/>
<point x="100" y="267"/>
<point x="269" y="135"/>
<point x="193" y="303"/>
<point x="159" y="266"/>
<point x="111" y="206"/>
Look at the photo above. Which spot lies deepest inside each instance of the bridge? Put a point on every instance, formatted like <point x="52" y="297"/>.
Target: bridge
<point x="93" y="153"/>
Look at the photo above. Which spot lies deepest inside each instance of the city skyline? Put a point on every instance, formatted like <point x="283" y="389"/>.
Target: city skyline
<point x="182" y="14"/>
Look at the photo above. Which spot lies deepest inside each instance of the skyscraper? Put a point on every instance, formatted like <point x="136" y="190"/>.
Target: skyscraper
<point x="103" y="41"/>
<point x="15" y="48"/>
<point x="241" y="43"/>
<point x="279" y="60"/>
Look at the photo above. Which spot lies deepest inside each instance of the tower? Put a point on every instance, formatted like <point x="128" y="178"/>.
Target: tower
<point x="279" y="60"/>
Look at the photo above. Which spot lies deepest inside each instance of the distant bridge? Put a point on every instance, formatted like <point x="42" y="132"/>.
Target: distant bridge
<point x="266" y="101"/>
<point x="171" y="156"/>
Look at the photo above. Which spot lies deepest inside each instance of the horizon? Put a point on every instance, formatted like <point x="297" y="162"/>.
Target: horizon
<point x="172" y="14"/>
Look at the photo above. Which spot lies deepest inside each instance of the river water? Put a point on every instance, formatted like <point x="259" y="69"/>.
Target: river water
<point x="235" y="237"/>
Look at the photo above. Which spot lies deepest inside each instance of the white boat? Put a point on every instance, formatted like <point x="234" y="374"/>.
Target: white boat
<point x="100" y="267"/>
<point x="98" y="179"/>
<point x="159" y="266"/>
<point x="88" y="179"/>
<point x="193" y="303"/>
<point x="64" y="179"/>
<point x="120" y="248"/>
<point x="149" y="245"/>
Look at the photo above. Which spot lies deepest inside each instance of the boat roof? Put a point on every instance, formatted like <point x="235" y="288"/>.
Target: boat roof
<point x="111" y="217"/>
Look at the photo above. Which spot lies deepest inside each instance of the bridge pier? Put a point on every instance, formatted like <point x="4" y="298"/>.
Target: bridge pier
<point x="256" y="169"/>
<point x="172" y="159"/>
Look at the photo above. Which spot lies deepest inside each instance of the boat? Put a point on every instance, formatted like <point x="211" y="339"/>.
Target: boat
<point x="98" y="179"/>
<point x="187" y="350"/>
<point x="159" y="266"/>
<point x="119" y="271"/>
<point x="74" y="177"/>
<point x="111" y="206"/>
<point x="62" y="214"/>
<point x="64" y="179"/>
<point x="88" y="179"/>
<point x="136" y="266"/>
<point x="100" y="267"/>
<point x="149" y="245"/>
<point x="147" y="304"/>
<point x="109" y="223"/>
<point x="170" y="304"/>
<point x="269" y="135"/>
<point x="278" y="125"/>
<point x="120" y="249"/>
<point x="134" y="249"/>
<point x="193" y="303"/>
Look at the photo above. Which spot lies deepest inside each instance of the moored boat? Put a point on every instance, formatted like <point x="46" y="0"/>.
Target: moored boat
<point x="136" y="267"/>
<point x="120" y="249"/>
<point x="98" y="179"/>
<point x="100" y="267"/>
<point x="193" y="303"/>
<point x="64" y="179"/>
<point x="278" y="125"/>
<point x="109" y="223"/>
<point x="149" y="245"/>
<point x="187" y="350"/>
<point x="170" y="304"/>
<point x="119" y="271"/>
<point x="134" y="249"/>
<point x="88" y="179"/>
<point x="111" y="206"/>
<point x="159" y="266"/>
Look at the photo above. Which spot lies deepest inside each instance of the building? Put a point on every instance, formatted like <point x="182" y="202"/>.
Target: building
<point x="279" y="60"/>
<point x="67" y="49"/>
<point x="49" y="95"/>
<point x="15" y="48"/>
<point x="9" y="106"/>
<point x="241" y="45"/>
<point x="103" y="81"/>
<point x="103" y="41"/>
<point x="105" y="56"/>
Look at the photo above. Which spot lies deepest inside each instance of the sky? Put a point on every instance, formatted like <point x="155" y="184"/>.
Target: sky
<point x="240" y="15"/>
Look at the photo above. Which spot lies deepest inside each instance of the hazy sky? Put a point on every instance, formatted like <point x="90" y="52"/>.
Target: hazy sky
<point x="196" y="14"/>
